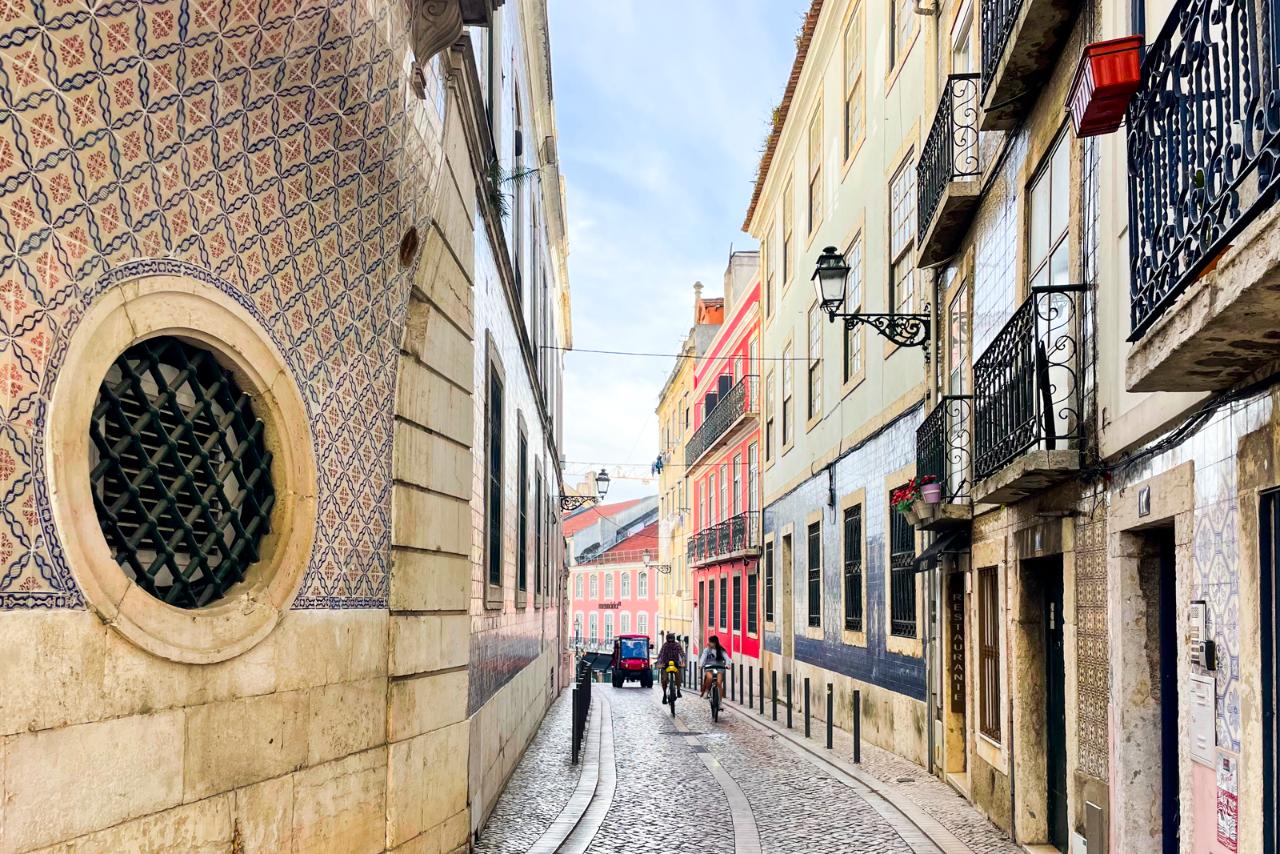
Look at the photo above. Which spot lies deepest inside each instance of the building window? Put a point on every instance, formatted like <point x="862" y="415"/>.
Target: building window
<point x="724" y="602"/>
<point x="815" y="170"/>
<point x="766" y="260"/>
<point x="989" y="652"/>
<point x="768" y="421"/>
<point x="737" y="603"/>
<point x="642" y="623"/>
<point x="902" y="238"/>
<point x="1050" y="219"/>
<point x="788" y="203"/>
<point x="815" y="574"/>
<point x="853" y="303"/>
<point x="753" y="477"/>
<point x="595" y="628"/>
<point x="903" y="23"/>
<point x="493" y="480"/>
<point x="624" y="623"/>
<point x="724" y="488"/>
<point x="768" y="582"/>
<point x="702" y="597"/>
<point x="737" y="484"/>
<point x="753" y="605"/>
<point x="625" y="584"/>
<point x="902" y="575"/>
<point x="815" y="361"/>
<point x="595" y="586"/>
<point x="853" y="568"/>
<point x="540" y="540"/>
<point x="522" y="514"/>
<point x="577" y="587"/>
<point x="608" y="628"/>
<point x="642" y="585"/>
<point x="788" y="376"/>
<point x="711" y="604"/>
<point x="853" y="115"/>
<point x="608" y="585"/>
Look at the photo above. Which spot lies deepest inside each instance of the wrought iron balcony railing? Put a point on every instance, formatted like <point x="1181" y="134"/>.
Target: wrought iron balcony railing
<point x="734" y="536"/>
<point x="999" y="17"/>
<point x="1027" y="383"/>
<point x="1203" y="136"/>
<point x="738" y="401"/>
<point x="950" y="152"/>
<point x="944" y="443"/>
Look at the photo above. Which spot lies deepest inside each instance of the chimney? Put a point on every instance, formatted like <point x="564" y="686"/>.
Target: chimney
<point x="697" y="302"/>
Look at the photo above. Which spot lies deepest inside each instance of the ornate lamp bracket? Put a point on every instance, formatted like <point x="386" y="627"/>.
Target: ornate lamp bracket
<point x="576" y="502"/>
<point x="905" y="330"/>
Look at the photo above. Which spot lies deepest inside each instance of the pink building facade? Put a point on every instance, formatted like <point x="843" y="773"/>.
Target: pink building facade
<point x="615" y="593"/>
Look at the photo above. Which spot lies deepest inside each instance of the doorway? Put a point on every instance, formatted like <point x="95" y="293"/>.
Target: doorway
<point x="1269" y="600"/>
<point x="1055" y="702"/>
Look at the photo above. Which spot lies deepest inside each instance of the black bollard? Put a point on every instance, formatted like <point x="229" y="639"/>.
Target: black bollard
<point x="788" y="701"/>
<point x="806" y="707"/>
<point x="857" y="727"/>
<point x="732" y="685"/>
<point x="773" y="683"/>
<point x="830" y="709"/>
<point x="762" y="690"/>
<point x="751" y="687"/>
<point x="741" y="693"/>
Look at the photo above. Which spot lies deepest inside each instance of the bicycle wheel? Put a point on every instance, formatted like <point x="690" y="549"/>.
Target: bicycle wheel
<point x="715" y="700"/>
<point x="671" y="697"/>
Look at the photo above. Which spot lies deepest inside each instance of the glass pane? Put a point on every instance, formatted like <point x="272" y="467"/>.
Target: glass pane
<point x="1061" y="193"/>
<point x="1058" y="267"/>
<point x="1039" y="222"/>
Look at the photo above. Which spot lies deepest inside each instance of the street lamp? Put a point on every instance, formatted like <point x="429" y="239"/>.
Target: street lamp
<point x="664" y="568"/>
<point x="575" y="502"/>
<point x="829" y="280"/>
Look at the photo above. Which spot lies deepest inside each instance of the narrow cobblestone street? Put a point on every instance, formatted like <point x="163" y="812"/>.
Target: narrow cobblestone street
<point x="738" y="785"/>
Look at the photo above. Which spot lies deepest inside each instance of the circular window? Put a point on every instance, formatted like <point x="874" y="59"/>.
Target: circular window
<point x="180" y="470"/>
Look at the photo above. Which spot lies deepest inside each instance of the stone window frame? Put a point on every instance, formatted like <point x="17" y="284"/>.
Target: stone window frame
<point x="858" y="499"/>
<point x="494" y="371"/>
<point x="177" y="305"/>
<point x="814" y="632"/>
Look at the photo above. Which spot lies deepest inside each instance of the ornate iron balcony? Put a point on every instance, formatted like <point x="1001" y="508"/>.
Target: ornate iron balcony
<point x="1203" y="136"/>
<point x="735" y="536"/>
<point x="737" y="402"/>
<point x="944" y="444"/>
<point x="950" y="152"/>
<point x="1027" y="382"/>
<point x="998" y="20"/>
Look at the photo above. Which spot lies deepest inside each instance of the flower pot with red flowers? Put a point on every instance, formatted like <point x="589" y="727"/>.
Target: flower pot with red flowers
<point x="904" y="498"/>
<point x="1106" y="78"/>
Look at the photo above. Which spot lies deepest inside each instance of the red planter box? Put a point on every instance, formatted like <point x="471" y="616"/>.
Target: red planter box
<point x="1108" y="75"/>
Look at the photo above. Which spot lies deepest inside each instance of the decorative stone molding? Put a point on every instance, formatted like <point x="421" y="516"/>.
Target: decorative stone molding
<point x="133" y="311"/>
<point x="435" y="25"/>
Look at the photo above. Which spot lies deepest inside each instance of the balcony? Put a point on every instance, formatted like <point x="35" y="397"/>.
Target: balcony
<point x="944" y="443"/>
<point x="738" y="404"/>
<point x="1021" y="42"/>
<point x="733" y="538"/>
<point x="949" y="173"/>
<point x="1203" y="138"/>
<point x="1027" y="399"/>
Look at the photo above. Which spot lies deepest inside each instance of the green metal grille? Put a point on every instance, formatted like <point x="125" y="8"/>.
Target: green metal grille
<point x="180" y="470"/>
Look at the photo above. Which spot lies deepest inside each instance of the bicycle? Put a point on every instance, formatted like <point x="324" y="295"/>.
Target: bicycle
<point x="713" y="695"/>
<point x="672" y="690"/>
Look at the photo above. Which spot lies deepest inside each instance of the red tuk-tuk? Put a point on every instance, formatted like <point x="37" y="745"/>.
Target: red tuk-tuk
<point x="631" y="661"/>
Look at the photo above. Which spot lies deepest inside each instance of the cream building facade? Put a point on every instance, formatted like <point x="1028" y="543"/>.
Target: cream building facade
<point x="270" y="326"/>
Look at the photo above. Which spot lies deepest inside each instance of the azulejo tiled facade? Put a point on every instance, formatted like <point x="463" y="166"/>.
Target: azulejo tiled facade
<point x="272" y="150"/>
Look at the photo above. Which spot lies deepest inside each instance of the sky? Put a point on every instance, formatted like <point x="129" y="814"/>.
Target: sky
<point x="662" y="109"/>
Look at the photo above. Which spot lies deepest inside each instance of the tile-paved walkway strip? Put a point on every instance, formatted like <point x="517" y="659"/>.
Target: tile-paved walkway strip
<point x="606" y="784"/>
<point x="746" y="835"/>
<point x="538" y="790"/>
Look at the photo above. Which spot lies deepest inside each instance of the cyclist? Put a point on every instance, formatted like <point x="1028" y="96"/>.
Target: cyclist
<point x="714" y="661"/>
<point x="671" y="651"/>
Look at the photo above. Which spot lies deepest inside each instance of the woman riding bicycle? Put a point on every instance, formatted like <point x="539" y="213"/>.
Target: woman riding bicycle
<point x="714" y="661"/>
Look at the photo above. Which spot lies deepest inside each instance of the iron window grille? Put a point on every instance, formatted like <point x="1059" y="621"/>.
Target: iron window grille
<point x="724" y="602"/>
<point x="853" y="569"/>
<point x="737" y="604"/>
<point x="989" y="653"/>
<point x="753" y="605"/>
<point x="493" y="494"/>
<point x="815" y="574"/>
<point x="180" y="473"/>
<point x="902" y="576"/>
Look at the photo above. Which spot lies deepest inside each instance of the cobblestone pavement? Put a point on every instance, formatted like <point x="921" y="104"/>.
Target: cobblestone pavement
<point x="537" y="791"/>
<point x="799" y="808"/>
<point x="659" y="779"/>
<point x="667" y="800"/>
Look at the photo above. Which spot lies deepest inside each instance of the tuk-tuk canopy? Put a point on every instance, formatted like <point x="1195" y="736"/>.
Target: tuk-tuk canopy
<point x="633" y="647"/>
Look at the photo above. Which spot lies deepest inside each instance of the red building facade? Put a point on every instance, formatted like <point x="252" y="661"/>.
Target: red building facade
<point x="723" y="468"/>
